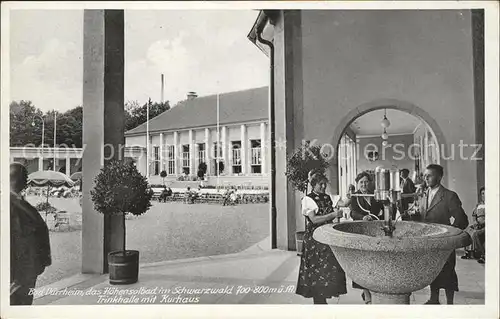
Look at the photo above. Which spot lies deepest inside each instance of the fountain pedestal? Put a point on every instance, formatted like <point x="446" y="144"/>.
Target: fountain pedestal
<point x="390" y="299"/>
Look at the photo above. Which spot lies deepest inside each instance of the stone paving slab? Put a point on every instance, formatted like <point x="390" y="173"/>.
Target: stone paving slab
<point x="266" y="270"/>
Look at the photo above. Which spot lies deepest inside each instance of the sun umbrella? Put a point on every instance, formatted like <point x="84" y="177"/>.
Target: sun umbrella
<point x="49" y="179"/>
<point x="76" y="176"/>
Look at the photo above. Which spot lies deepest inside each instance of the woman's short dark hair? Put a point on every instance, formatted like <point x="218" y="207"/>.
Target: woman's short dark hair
<point x="438" y="168"/>
<point x="481" y="190"/>
<point x="363" y="174"/>
<point x="316" y="178"/>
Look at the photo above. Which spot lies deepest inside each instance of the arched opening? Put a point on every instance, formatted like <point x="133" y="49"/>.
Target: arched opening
<point x="412" y="141"/>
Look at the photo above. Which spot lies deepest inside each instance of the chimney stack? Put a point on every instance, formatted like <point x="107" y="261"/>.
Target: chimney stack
<point x="192" y="95"/>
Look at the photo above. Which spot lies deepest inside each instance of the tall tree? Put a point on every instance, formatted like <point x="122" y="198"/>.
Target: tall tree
<point x="69" y="127"/>
<point x="138" y="114"/>
<point x="25" y="124"/>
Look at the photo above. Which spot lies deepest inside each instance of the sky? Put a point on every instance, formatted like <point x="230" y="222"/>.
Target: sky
<point x="204" y="51"/>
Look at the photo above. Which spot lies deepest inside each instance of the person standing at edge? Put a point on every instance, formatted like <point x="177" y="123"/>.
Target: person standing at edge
<point x="29" y="240"/>
<point x="320" y="274"/>
<point x="407" y="187"/>
<point x="442" y="206"/>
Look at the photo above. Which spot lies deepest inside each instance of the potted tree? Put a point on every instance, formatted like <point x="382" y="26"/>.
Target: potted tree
<point x="302" y="161"/>
<point x="47" y="208"/>
<point x="202" y="170"/>
<point x="163" y="174"/>
<point x="120" y="189"/>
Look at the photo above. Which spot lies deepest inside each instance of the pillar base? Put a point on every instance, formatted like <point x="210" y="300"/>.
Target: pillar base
<point x="390" y="299"/>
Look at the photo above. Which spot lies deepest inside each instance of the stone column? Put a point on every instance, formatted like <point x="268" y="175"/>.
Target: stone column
<point x="103" y="97"/>
<point x="40" y="163"/>
<point x="176" y="153"/>
<point x="199" y="160"/>
<point x="264" y="145"/>
<point x="289" y="125"/>
<point x="192" y="154"/>
<point x="68" y="166"/>
<point x="244" y="149"/>
<point x="224" y="148"/>
<point x="162" y="166"/>
<point x="479" y="93"/>
<point x="207" y="151"/>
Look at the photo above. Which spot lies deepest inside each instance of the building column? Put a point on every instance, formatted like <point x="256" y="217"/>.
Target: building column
<point x="68" y="166"/>
<point x="176" y="153"/>
<point x="162" y="166"/>
<point x="264" y="148"/>
<point x="208" y="151"/>
<point x="479" y="115"/>
<point x="40" y="163"/>
<point x="103" y="98"/>
<point x="192" y="154"/>
<point x="244" y="149"/>
<point x="224" y="149"/>
<point x="289" y="128"/>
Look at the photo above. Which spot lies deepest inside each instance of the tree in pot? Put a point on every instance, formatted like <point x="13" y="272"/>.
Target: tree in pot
<point x="300" y="163"/>
<point x="120" y="189"/>
<point x="202" y="170"/>
<point x="221" y="168"/>
<point x="163" y="174"/>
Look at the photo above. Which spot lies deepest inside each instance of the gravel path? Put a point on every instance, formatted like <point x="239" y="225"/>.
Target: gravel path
<point x="168" y="231"/>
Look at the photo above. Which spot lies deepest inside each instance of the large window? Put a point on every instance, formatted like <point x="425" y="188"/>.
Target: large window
<point x="217" y="150"/>
<point x="185" y="159"/>
<point x="201" y="153"/>
<point x="236" y="157"/>
<point x="156" y="160"/>
<point x="171" y="159"/>
<point x="256" y="156"/>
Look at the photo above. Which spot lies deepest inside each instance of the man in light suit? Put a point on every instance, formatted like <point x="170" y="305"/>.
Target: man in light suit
<point x="442" y="206"/>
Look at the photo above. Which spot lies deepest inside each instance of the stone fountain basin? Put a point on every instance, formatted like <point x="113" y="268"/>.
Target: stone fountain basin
<point x="407" y="262"/>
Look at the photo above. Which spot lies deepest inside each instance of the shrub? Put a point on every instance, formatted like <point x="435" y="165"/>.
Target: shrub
<point x="46" y="207"/>
<point x="301" y="162"/>
<point x="202" y="170"/>
<point x="163" y="174"/>
<point x="120" y="189"/>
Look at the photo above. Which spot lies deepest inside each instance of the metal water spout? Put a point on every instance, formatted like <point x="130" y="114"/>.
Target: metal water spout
<point x="387" y="191"/>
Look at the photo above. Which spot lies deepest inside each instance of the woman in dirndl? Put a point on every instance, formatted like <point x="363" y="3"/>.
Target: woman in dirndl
<point x="367" y="209"/>
<point x="320" y="274"/>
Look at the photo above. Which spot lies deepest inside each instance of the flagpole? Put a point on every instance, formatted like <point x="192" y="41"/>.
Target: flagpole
<point x="147" y="138"/>
<point x="55" y="140"/>
<point x="217" y="170"/>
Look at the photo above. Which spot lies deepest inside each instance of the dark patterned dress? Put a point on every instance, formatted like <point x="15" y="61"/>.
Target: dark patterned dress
<point x="320" y="274"/>
<point x="360" y="207"/>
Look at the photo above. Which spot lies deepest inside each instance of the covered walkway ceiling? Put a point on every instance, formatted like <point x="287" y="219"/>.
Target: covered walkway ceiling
<point x="369" y="123"/>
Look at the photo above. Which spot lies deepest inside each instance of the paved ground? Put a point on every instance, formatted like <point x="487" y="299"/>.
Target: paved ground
<point x="168" y="231"/>
<point x="269" y="277"/>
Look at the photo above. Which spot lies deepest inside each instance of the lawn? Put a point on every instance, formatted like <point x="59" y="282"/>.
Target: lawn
<point x="167" y="231"/>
